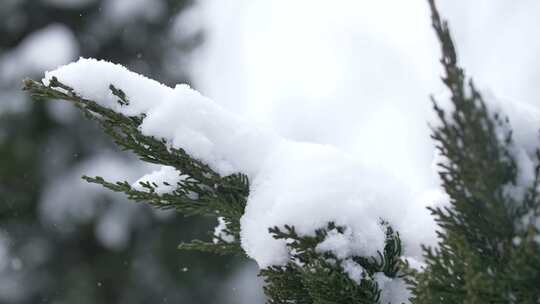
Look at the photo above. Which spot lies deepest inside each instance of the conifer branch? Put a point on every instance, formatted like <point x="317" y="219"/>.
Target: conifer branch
<point x="481" y="251"/>
<point x="316" y="276"/>
<point x="202" y="191"/>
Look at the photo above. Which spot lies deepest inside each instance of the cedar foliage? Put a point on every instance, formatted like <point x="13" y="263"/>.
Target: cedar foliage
<point x="488" y="249"/>
<point x="315" y="276"/>
<point x="310" y="277"/>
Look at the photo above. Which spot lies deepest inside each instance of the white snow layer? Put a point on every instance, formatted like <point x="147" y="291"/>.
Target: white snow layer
<point x="295" y="183"/>
<point x="219" y="232"/>
<point x="165" y="180"/>
<point x="393" y="290"/>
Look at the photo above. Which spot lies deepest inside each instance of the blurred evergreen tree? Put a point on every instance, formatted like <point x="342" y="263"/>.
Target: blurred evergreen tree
<point x="47" y="263"/>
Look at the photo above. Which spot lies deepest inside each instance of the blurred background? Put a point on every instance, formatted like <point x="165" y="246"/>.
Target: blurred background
<point x="353" y="74"/>
<point x="65" y="241"/>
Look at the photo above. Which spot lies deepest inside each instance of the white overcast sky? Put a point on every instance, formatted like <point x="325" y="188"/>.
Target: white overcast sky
<point x="357" y="74"/>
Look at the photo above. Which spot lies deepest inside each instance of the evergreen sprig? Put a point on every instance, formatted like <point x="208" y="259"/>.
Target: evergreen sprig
<point x="486" y="254"/>
<point x="201" y="191"/>
<point x="317" y="276"/>
<point x="311" y="276"/>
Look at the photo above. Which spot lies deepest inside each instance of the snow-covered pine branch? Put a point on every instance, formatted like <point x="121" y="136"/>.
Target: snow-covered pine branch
<point x="209" y="154"/>
<point x="322" y="225"/>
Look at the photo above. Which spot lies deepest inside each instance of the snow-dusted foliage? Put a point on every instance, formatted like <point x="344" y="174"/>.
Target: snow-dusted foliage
<point x="296" y="183"/>
<point x="305" y="185"/>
